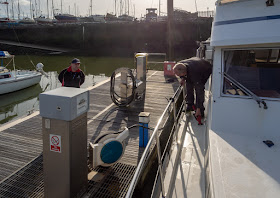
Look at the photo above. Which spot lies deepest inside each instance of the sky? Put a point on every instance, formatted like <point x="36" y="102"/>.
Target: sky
<point x="103" y="6"/>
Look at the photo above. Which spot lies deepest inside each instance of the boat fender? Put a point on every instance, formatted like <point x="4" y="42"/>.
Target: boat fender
<point x="39" y="68"/>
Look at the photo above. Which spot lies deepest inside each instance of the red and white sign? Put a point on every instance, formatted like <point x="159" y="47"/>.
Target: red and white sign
<point x="55" y="143"/>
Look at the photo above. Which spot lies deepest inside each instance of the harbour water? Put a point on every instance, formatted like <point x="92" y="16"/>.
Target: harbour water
<point x="24" y="102"/>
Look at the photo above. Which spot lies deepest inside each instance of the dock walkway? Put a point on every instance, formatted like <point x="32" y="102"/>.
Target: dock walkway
<point x="34" y="46"/>
<point x="21" y="171"/>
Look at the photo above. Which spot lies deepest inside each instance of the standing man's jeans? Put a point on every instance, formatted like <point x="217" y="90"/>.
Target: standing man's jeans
<point x="199" y="92"/>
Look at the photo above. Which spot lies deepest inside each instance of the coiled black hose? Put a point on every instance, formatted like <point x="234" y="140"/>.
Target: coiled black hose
<point x="116" y="98"/>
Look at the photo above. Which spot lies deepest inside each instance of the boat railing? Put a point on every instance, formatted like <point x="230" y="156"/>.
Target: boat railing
<point x="155" y="138"/>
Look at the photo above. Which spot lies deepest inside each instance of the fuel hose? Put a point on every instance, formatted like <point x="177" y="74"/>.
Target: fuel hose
<point x="119" y="99"/>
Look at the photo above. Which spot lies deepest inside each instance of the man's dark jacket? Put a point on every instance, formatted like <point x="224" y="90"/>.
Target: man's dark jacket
<point x="71" y="79"/>
<point x="198" y="72"/>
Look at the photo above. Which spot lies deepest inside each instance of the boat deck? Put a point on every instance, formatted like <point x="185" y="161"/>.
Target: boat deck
<point x="21" y="171"/>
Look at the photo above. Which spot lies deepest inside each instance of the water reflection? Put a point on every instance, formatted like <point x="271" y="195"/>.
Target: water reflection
<point x="24" y="102"/>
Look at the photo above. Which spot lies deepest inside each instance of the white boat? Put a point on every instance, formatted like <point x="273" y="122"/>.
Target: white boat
<point x="245" y="100"/>
<point x="236" y="152"/>
<point x="98" y="18"/>
<point x="15" y="80"/>
<point x="43" y="20"/>
<point x="27" y="21"/>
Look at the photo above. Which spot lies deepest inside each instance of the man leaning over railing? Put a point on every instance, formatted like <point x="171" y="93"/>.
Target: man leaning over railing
<point x="195" y="73"/>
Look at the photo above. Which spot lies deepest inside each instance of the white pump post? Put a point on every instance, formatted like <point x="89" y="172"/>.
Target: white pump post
<point x="64" y="127"/>
<point x="141" y="77"/>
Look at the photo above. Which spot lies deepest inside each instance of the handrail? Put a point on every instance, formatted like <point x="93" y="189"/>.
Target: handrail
<point x="147" y="149"/>
<point x="246" y="90"/>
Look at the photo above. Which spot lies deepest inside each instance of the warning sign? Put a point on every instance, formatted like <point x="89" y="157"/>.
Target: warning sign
<point x="55" y="143"/>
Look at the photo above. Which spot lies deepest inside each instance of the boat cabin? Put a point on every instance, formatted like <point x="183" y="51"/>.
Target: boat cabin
<point x="244" y="100"/>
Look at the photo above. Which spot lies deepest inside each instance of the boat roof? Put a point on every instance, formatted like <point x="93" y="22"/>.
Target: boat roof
<point x="245" y="22"/>
<point x="5" y="54"/>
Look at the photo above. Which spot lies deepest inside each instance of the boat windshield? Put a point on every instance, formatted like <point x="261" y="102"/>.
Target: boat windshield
<point x="256" y="69"/>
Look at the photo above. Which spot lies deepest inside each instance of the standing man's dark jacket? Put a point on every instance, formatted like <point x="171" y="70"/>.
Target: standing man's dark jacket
<point x="71" y="79"/>
<point x="198" y="72"/>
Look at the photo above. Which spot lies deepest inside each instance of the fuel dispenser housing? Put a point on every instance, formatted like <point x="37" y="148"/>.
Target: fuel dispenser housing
<point x="64" y="127"/>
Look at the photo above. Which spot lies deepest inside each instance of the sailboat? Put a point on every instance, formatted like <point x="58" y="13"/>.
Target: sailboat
<point x="43" y="20"/>
<point x="14" y="80"/>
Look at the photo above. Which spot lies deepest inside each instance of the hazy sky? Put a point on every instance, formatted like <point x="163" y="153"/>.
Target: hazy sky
<point x="104" y="6"/>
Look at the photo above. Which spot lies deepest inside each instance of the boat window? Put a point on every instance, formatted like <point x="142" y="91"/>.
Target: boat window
<point x="258" y="70"/>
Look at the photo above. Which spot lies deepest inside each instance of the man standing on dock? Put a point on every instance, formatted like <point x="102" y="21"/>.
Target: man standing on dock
<point x="72" y="76"/>
<point x="195" y="73"/>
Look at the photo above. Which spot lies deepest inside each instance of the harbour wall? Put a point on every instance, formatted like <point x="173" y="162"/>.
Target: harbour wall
<point x="113" y="39"/>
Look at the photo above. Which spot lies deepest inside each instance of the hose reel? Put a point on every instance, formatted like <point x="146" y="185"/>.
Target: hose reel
<point x="130" y="87"/>
<point x="108" y="149"/>
<point x="124" y="94"/>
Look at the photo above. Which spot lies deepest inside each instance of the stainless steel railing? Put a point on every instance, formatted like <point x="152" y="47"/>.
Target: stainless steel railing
<point x="155" y="136"/>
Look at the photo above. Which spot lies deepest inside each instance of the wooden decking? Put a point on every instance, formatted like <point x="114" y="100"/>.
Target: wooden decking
<point x="21" y="173"/>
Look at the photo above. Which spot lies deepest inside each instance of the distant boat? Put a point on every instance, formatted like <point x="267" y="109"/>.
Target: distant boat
<point x="111" y="17"/>
<point x="66" y="18"/>
<point x="15" y="80"/>
<point x="125" y="17"/>
<point x="27" y="21"/>
<point x="98" y="18"/>
<point x="7" y="20"/>
<point x="43" y="20"/>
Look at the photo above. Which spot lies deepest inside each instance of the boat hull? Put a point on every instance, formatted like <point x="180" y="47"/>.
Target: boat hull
<point x="19" y="83"/>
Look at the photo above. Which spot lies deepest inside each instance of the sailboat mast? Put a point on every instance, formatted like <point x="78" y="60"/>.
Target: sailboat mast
<point x="120" y="7"/>
<point x="39" y="11"/>
<point x="48" y="9"/>
<point x="128" y="7"/>
<point x="52" y="9"/>
<point x="36" y="11"/>
<point x="7" y="8"/>
<point x="30" y="10"/>
<point x="159" y="8"/>
<point x="61" y="6"/>
<point x="125" y="6"/>
<point x="116" y="7"/>
<point x="13" y="9"/>
<point x="134" y="10"/>
<point x="18" y="11"/>
<point x="91" y="7"/>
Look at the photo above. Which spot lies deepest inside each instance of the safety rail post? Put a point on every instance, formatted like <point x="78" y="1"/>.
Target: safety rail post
<point x="175" y="120"/>
<point x="160" y="164"/>
<point x="184" y="97"/>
